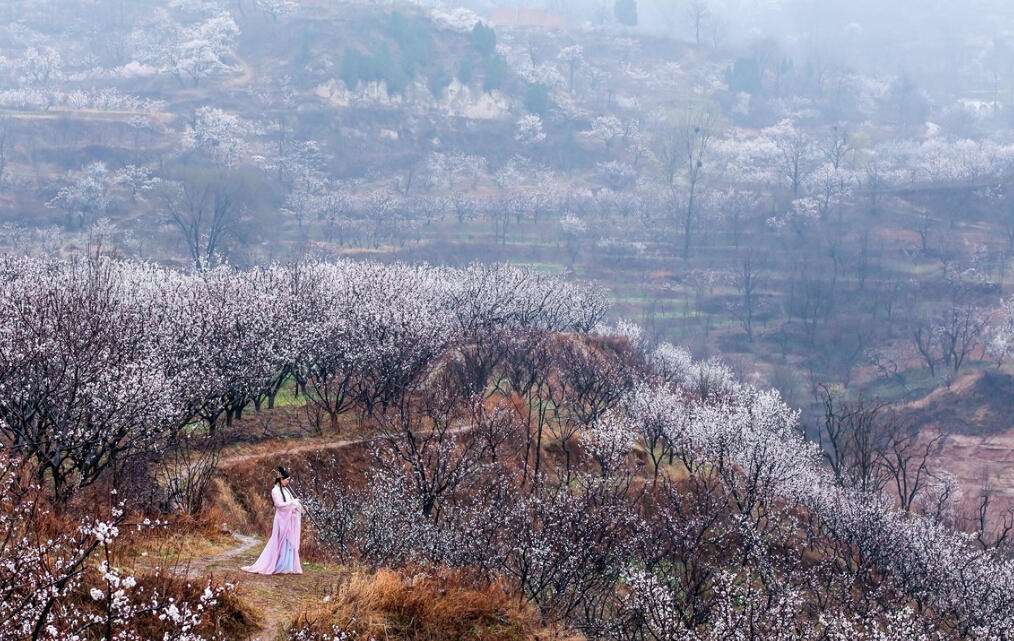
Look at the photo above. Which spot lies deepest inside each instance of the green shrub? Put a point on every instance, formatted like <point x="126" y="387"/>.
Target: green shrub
<point x="483" y="38"/>
<point x="537" y="99"/>
<point x="438" y="81"/>
<point x="495" y="72"/>
<point x="414" y="41"/>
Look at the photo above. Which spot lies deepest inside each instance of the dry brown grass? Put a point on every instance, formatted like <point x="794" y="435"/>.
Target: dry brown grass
<point x="240" y="495"/>
<point x="230" y="618"/>
<point x="156" y="558"/>
<point x="266" y="432"/>
<point x="175" y="545"/>
<point x="424" y="606"/>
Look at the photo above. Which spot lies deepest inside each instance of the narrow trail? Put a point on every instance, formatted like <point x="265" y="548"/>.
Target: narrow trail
<point x="288" y="448"/>
<point x="85" y="114"/>
<point x="237" y="459"/>
<point x="279" y="597"/>
<point x="200" y="567"/>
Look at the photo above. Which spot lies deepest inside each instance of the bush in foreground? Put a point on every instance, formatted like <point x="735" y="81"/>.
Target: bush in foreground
<point x="425" y="606"/>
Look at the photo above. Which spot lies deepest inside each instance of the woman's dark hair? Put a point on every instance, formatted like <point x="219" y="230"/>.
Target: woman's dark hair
<point x="281" y="474"/>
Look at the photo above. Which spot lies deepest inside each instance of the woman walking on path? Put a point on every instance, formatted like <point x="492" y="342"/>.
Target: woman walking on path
<point x="281" y="554"/>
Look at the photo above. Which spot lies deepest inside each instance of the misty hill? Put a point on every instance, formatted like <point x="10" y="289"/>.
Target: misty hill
<point x="773" y="204"/>
<point x="977" y="404"/>
<point x="643" y="320"/>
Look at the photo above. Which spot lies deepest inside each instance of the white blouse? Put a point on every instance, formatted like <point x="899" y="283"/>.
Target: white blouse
<point x="281" y="499"/>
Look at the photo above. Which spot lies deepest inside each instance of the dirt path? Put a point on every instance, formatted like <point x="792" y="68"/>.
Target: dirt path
<point x="244" y="543"/>
<point x="278" y="598"/>
<point x="288" y="449"/>
<point x="85" y="114"/>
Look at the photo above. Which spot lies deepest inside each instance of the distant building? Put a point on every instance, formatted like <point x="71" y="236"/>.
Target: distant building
<point x="525" y="17"/>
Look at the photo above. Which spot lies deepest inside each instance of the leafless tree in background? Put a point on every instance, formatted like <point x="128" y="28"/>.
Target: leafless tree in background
<point x="699" y="14"/>
<point x="854" y="440"/>
<point x="205" y="213"/>
<point x="684" y="146"/>
<point x="5" y="146"/>
<point x="749" y="280"/>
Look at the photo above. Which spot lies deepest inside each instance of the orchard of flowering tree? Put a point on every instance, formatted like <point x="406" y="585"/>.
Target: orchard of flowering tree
<point x="107" y="366"/>
<point x="618" y="488"/>
<point x="518" y="320"/>
<point x="746" y="179"/>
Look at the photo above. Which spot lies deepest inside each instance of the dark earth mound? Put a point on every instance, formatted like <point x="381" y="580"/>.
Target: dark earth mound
<point x="976" y="404"/>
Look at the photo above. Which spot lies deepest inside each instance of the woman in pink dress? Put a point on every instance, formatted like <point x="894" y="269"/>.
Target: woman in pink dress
<point x="281" y="554"/>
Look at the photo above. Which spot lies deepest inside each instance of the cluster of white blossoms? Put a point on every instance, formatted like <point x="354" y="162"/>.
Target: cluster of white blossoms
<point x="742" y="534"/>
<point x="48" y="579"/>
<point x="102" y="360"/>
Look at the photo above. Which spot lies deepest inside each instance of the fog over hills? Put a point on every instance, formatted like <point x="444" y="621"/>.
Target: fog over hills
<point x="637" y="320"/>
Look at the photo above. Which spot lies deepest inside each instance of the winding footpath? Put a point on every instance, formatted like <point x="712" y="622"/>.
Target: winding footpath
<point x="278" y="598"/>
<point x="232" y="461"/>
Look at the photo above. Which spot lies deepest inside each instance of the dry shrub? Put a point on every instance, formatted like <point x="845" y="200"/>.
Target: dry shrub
<point x="241" y="495"/>
<point x="229" y="618"/>
<point x="234" y="619"/>
<point x="187" y="467"/>
<point x="93" y="571"/>
<point x="175" y="544"/>
<point x="426" y="606"/>
<point x="225" y="508"/>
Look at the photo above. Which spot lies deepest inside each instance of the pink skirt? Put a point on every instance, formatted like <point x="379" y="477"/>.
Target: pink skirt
<point x="281" y="554"/>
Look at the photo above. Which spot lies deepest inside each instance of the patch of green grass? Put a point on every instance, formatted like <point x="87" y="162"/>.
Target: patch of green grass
<point x="196" y="428"/>
<point x="287" y="396"/>
<point x="912" y="383"/>
<point x="914" y="269"/>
